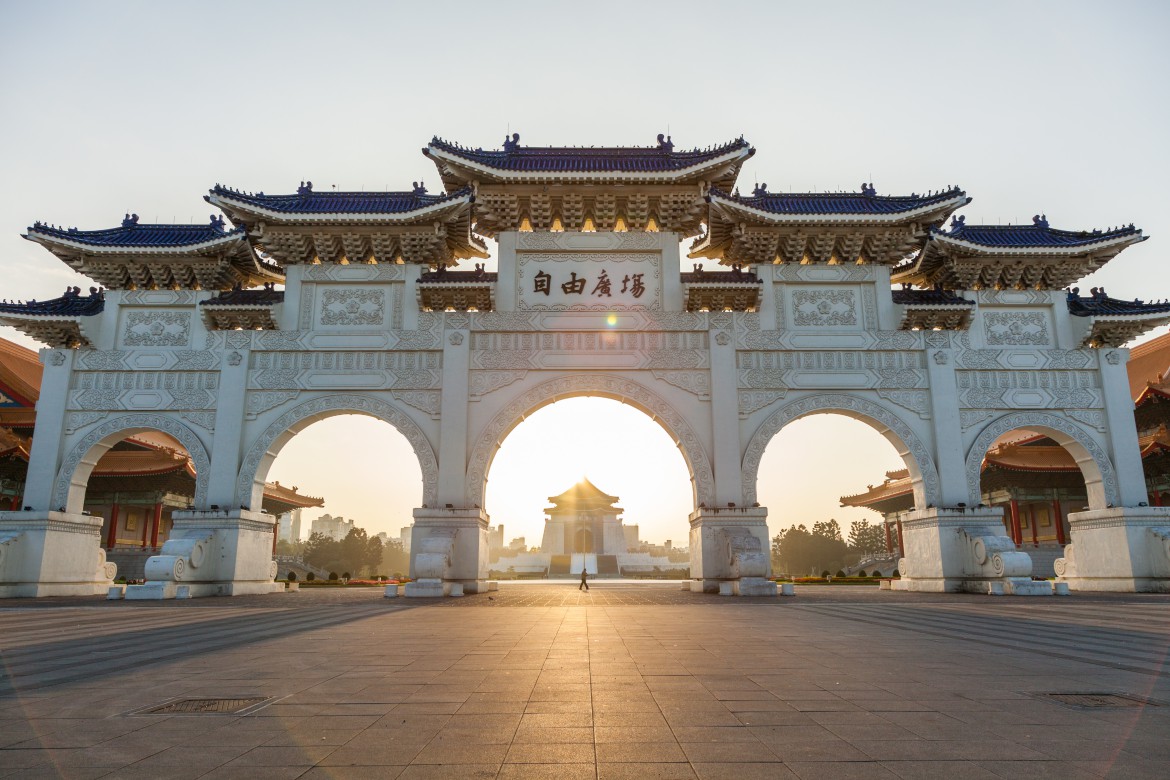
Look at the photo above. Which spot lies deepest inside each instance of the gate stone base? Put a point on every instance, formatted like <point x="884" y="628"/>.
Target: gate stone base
<point x="212" y="553"/>
<point x="1123" y="549"/>
<point x="731" y="552"/>
<point x="449" y="552"/>
<point x="953" y="551"/>
<point x="52" y="554"/>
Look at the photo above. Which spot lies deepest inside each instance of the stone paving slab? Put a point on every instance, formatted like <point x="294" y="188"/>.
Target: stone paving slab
<point x="629" y="680"/>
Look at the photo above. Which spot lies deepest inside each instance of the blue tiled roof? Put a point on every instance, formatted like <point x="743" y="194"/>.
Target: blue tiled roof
<point x="265" y="296"/>
<point x="911" y="297"/>
<point x="305" y="201"/>
<point x="132" y="234"/>
<point x="1038" y="234"/>
<point x="71" y="304"/>
<point x="1100" y="304"/>
<point x="859" y="203"/>
<point x="564" y="159"/>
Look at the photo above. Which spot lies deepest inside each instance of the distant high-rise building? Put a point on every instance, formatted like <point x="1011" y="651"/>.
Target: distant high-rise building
<point x="334" y="527"/>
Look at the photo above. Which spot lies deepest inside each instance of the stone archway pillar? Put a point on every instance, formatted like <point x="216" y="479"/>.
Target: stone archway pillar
<point x="963" y="550"/>
<point x="448" y="551"/>
<point x="212" y="553"/>
<point x="731" y="551"/>
<point x="47" y="551"/>
<point x="52" y="554"/>
<point x="1121" y="549"/>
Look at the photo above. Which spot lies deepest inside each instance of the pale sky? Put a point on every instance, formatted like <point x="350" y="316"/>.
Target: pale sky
<point x="1053" y="107"/>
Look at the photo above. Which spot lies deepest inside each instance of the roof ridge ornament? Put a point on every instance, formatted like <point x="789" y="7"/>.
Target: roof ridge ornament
<point x="217" y="223"/>
<point x="868" y="189"/>
<point x="760" y="190"/>
<point x="958" y="221"/>
<point x="513" y="144"/>
<point x="418" y="188"/>
<point x="306" y="188"/>
<point x="1040" y="220"/>
<point x="130" y="220"/>
<point x="665" y="144"/>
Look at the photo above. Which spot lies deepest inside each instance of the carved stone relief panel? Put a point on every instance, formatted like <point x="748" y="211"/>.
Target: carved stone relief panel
<point x="1010" y="389"/>
<point x="354" y="272"/>
<point x="824" y="307"/>
<point x="340" y="370"/>
<point x="141" y="390"/>
<point x="159" y="297"/>
<point x="1017" y="327"/>
<point x="594" y="281"/>
<point x="589" y="350"/>
<point x="481" y="383"/>
<point x="791" y="272"/>
<point x="831" y="369"/>
<point x="352" y="306"/>
<point x="157" y="328"/>
<point x="696" y="382"/>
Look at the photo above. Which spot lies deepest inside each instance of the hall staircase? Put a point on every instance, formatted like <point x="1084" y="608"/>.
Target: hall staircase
<point x="607" y="566"/>
<point x="558" y="565"/>
<point x="586" y="561"/>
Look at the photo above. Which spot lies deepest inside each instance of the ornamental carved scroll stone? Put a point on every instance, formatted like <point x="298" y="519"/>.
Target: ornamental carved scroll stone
<point x="1041" y="421"/>
<point x="824" y="308"/>
<point x="65" y="496"/>
<point x="249" y="482"/>
<point x="489" y="440"/>
<point x="926" y="487"/>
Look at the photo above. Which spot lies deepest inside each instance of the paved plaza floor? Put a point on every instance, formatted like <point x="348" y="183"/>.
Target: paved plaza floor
<point x="626" y="681"/>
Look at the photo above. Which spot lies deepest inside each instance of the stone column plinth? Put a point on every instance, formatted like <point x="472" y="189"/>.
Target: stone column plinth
<point x="52" y="554"/>
<point x="448" y="547"/>
<point x="731" y="546"/>
<point x="956" y="550"/>
<point x="1123" y="549"/>
<point x="212" y="553"/>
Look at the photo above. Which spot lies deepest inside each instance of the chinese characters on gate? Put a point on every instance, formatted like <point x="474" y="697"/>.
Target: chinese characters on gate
<point x="632" y="284"/>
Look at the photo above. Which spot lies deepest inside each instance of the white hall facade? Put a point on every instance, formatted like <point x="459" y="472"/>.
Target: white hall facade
<point x="233" y="339"/>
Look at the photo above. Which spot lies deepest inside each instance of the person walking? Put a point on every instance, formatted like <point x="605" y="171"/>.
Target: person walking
<point x="584" y="583"/>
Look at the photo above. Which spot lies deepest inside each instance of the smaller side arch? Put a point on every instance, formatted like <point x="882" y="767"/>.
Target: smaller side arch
<point x="73" y="476"/>
<point x="923" y="472"/>
<point x="1100" y="477"/>
<point x="259" y="457"/>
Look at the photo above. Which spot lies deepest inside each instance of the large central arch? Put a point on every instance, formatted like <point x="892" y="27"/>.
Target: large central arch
<point x="923" y="472"/>
<point x="619" y="389"/>
<point x="259" y="458"/>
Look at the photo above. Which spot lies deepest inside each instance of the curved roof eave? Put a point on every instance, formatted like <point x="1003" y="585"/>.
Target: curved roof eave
<point x="942" y="207"/>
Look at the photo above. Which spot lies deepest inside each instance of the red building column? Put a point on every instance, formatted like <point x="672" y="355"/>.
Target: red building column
<point x="1158" y="498"/>
<point x="155" y="523"/>
<point x="1017" y="532"/>
<point x="275" y="534"/>
<point x="889" y="541"/>
<point x="901" y="543"/>
<point x="1032" y="522"/>
<point x="112" y="536"/>
<point x="1058" y="521"/>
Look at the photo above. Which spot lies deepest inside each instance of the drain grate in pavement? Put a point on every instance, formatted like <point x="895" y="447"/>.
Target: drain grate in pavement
<point x="207" y="706"/>
<point x="1099" y="700"/>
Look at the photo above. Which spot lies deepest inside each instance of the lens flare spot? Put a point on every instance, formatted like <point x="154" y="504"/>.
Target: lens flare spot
<point x="611" y="320"/>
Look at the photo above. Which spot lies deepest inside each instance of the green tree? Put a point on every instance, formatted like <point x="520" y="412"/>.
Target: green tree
<point x="322" y="551"/>
<point x="395" y="559"/>
<point x="866" y="538"/>
<point x="359" y="552"/>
